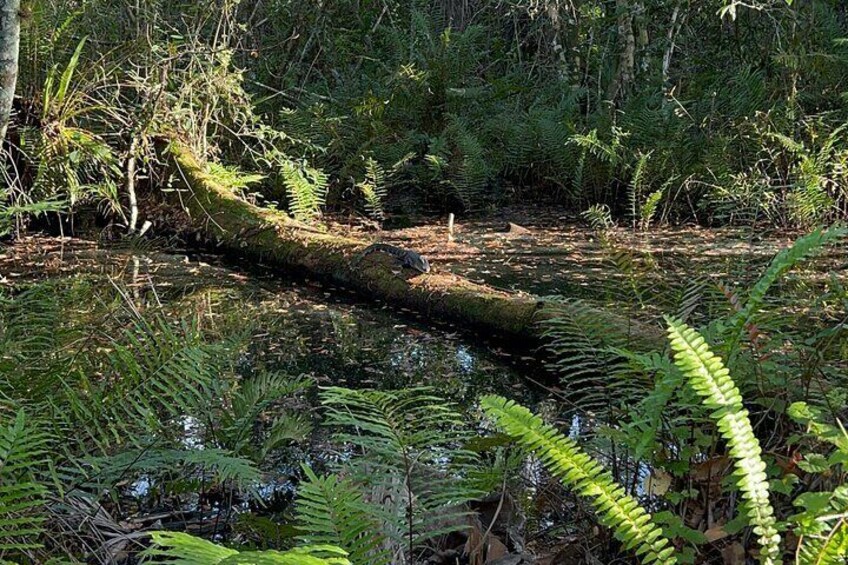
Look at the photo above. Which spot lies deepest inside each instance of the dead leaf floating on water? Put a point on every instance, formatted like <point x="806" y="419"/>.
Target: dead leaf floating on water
<point x="657" y="483"/>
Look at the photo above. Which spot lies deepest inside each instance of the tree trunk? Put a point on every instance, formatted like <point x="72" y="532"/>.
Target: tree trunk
<point x="627" y="54"/>
<point x="10" y="39"/>
<point x="273" y="238"/>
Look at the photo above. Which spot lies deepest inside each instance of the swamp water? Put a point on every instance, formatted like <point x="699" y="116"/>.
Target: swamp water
<point x="299" y="328"/>
<point x="294" y="327"/>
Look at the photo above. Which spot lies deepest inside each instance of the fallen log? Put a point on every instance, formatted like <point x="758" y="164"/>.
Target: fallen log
<point x="272" y="237"/>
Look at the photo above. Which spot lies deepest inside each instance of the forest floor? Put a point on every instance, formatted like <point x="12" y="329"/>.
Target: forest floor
<point x="538" y="251"/>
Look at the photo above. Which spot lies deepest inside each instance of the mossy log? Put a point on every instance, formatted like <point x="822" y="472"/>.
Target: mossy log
<point x="272" y="237"/>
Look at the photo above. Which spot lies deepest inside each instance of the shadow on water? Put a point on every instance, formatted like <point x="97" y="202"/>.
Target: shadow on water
<point x="295" y="327"/>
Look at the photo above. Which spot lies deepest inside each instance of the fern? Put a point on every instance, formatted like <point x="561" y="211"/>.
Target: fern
<point x="618" y="510"/>
<point x="306" y="189"/>
<point x="23" y="451"/>
<point x="787" y="259"/>
<point x="470" y="172"/>
<point x="218" y="466"/>
<point x="411" y="463"/>
<point x="260" y="398"/>
<point x="177" y="548"/>
<point x="582" y="355"/>
<point x="822" y="527"/>
<point x="163" y="374"/>
<point x="649" y="207"/>
<point x="711" y="380"/>
<point x="635" y="188"/>
<point x="232" y="177"/>
<point x="373" y="189"/>
<point x="599" y="217"/>
<point x="332" y="511"/>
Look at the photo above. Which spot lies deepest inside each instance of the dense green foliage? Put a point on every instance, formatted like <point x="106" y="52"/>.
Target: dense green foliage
<point x="126" y="427"/>
<point x="100" y="400"/>
<point x="659" y="109"/>
<point x="632" y="524"/>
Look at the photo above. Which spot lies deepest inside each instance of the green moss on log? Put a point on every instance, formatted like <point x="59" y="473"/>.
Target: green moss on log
<point x="274" y="238"/>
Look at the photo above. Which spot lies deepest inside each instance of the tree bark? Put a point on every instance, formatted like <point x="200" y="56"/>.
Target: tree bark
<point x="271" y="237"/>
<point x="10" y="39"/>
<point x="627" y="54"/>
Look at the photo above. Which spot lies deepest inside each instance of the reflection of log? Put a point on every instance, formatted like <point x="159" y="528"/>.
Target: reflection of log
<point x="273" y="238"/>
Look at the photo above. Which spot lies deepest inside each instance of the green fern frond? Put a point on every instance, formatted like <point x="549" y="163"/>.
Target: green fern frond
<point x="564" y="458"/>
<point x="232" y="177"/>
<point x="831" y="548"/>
<point x="218" y="466"/>
<point x="23" y="450"/>
<point x="582" y="349"/>
<point x="259" y="398"/>
<point x="159" y="373"/>
<point x="177" y="548"/>
<point x="784" y="261"/>
<point x="374" y="188"/>
<point x="332" y="511"/>
<point x="812" y="417"/>
<point x="306" y="189"/>
<point x="708" y="376"/>
<point x="822" y="527"/>
<point x="411" y="462"/>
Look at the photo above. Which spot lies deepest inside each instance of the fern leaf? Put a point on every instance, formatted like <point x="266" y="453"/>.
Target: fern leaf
<point x="618" y="510"/>
<point x="333" y="512"/>
<point x="177" y="548"/>
<point x="782" y="262"/>
<point x="708" y="376"/>
<point x="306" y="189"/>
<point x="411" y="464"/>
<point x="828" y="549"/>
<point x="373" y="189"/>
<point x="23" y="449"/>
<point x="822" y="528"/>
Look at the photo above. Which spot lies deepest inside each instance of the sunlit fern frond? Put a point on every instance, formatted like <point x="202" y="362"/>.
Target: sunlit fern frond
<point x="306" y="189"/>
<point x="601" y="150"/>
<point x="231" y="176"/>
<point x="374" y="189"/>
<point x="787" y="259"/>
<point x="708" y="376"/>
<point x="636" y="187"/>
<point x="619" y="511"/>
<point x="178" y="548"/>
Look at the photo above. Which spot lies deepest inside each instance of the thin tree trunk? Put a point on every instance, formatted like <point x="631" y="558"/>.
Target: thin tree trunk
<point x="673" y="30"/>
<point x="627" y="60"/>
<point x="627" y="53"/>
<point x="10" y="39"/>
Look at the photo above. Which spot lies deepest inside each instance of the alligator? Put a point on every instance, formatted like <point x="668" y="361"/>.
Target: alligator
<point x="406" y="257"/>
